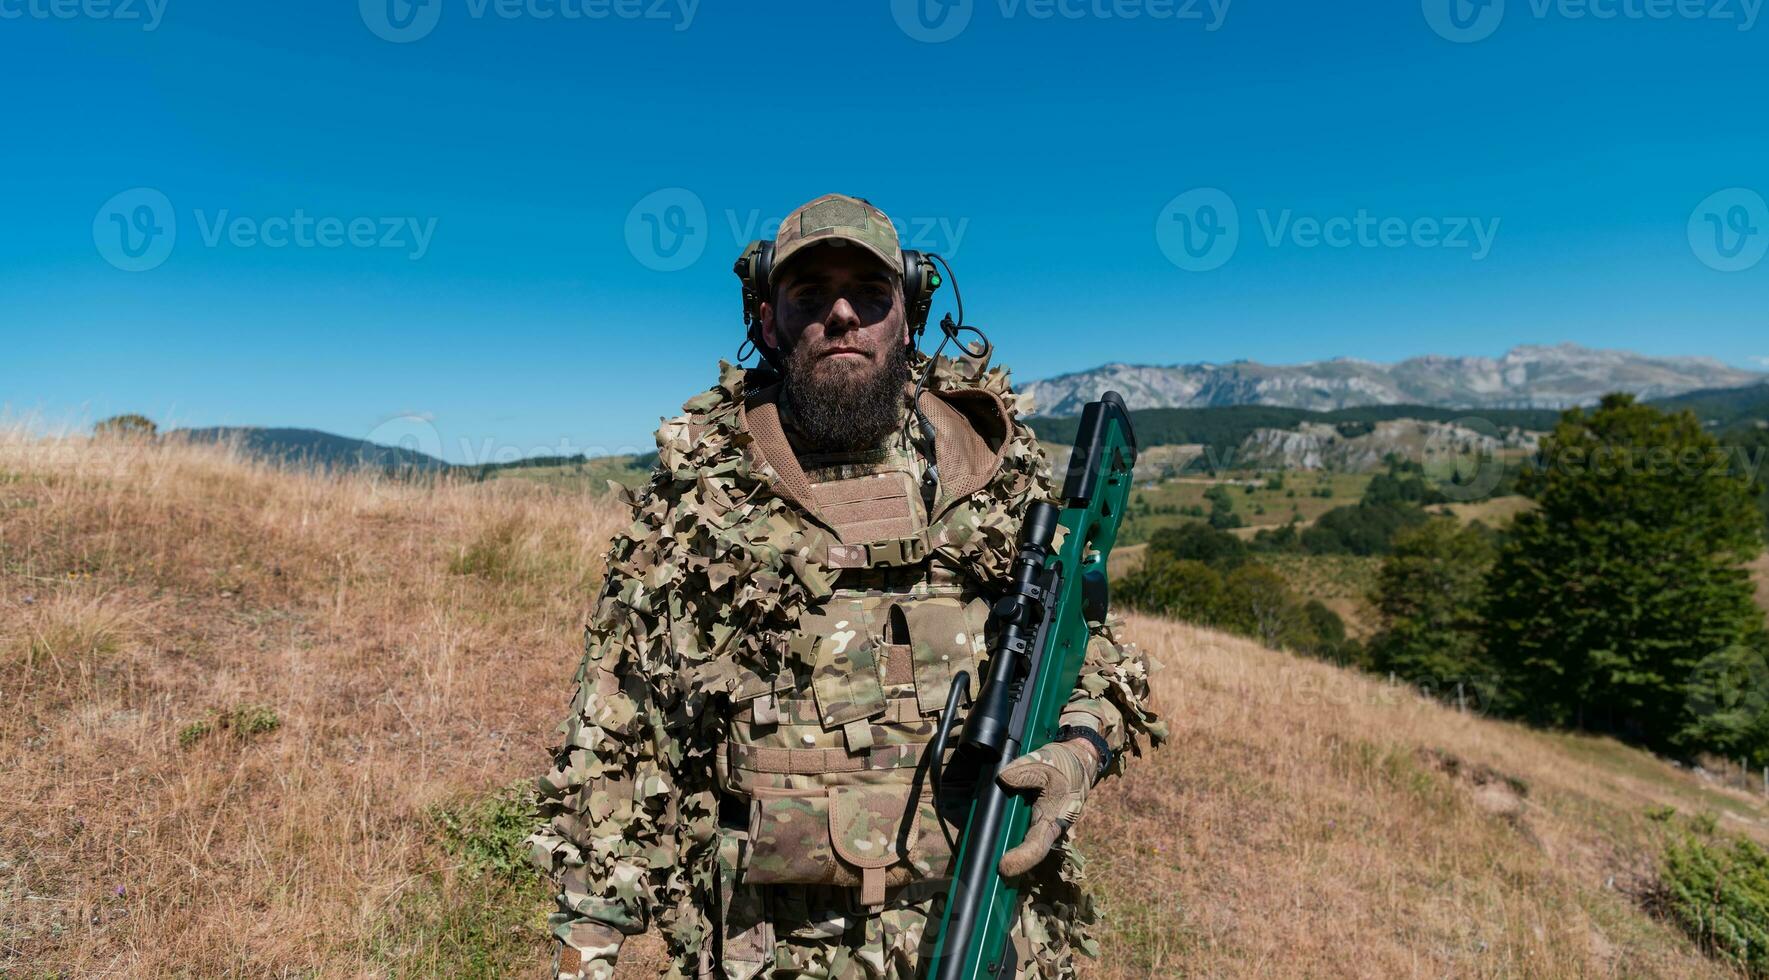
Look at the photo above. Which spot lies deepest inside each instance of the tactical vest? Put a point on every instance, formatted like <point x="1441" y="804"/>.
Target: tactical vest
<point x="826" y="757"/>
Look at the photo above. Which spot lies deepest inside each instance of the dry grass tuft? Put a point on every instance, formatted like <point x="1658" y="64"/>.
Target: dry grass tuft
<point x="1310" y="821"/>
<point x="264" y="723"/>
<point x="231" y="697"/>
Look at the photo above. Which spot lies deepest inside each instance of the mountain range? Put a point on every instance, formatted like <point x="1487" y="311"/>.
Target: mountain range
<point x="1222" y="406"/>
<point x="1554" y="377"/>
<point x="311" y="447"/>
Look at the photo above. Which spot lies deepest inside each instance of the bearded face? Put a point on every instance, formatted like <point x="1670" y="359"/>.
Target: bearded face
<point x="838" y="318"/>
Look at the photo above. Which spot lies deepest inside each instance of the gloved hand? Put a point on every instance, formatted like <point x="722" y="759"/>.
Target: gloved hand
<point x="587" y="951"/>
<point x="1061" y="772"/>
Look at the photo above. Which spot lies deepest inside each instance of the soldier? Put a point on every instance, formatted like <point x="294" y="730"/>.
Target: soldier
<point x="779" y="629"/>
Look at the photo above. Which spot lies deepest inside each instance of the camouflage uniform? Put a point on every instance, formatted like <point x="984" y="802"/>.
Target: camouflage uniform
<point x="741" y="766"/>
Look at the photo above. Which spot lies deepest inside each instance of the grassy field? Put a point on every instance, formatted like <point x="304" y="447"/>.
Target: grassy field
<point x="589" y="476"/>
<point x="1164" y="504"/>
<point x="255" y="723"/>
<point x="1493" y="512"/>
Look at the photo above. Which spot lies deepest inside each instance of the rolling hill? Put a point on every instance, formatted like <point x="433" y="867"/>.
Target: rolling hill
<point x="273" y="722"/>
<point x="311" y="447"/>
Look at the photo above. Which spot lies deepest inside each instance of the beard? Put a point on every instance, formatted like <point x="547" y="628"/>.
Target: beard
<point x="838" y="409"/>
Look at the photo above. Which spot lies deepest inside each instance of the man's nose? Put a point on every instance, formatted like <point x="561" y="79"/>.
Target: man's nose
<point x="842" y="316"/>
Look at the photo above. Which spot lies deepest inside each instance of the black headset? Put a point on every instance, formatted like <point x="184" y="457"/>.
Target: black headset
<point x="920" y="280"/>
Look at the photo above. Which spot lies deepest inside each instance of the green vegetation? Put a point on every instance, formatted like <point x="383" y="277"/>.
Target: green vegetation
<point x="1282" y="496"/>
<point x="1221" y="430"/>
<point x="586" y="473"/>
<point x="242" y="722"/>
<point x="485" y="914"/>
<point x="1617" y="601"/>
<point x="1391" y="503"/>
<point x="1750" y="460"/>
<point x="1718" y="892"/>
<point x="1625" y="585"/>
<point x="136" y="426"/>
<point x="1429" y="595"/>
<point x="1722" y="409"/>
<point x="1205" y="575"/>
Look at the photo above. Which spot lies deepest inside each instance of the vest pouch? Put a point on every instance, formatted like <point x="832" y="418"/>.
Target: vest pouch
<point x="946" y="637"/>
<point x="745" y="943"/>
<point x="856" y="836"/>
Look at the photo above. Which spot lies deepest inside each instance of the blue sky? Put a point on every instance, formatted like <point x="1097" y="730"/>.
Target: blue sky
<point x="480" y="199"/>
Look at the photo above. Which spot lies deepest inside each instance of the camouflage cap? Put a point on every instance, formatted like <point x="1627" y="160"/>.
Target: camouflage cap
<point x="841" y="219"/>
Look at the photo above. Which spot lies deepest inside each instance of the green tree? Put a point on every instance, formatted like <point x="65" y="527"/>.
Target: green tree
<point x="1627" y="577"/>
<point x="1168" y="586"/>
<point x="1361" y="528"/>
<point x="128" y="426"/>
<point x="1403" y="483"/>
<point x="1218" y="549"/>
<point x="1429" y="596"/>
<point x="1328" y="640"/>
<point x="1750" y="458"/>
<point x="1257" y="602"/>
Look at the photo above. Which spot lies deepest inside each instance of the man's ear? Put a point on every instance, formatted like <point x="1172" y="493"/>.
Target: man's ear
<point x="768" y="334"/>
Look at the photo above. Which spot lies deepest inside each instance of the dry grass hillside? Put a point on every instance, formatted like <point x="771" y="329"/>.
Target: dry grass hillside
<point x="255" y="723"/>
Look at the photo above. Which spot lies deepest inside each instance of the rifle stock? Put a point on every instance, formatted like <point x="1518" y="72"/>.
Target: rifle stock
<point x="1040" y="643"/>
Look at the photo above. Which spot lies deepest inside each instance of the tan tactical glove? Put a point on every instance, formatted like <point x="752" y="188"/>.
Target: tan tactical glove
<point x="587" y="952"/>
<point x="1061" y="772"/>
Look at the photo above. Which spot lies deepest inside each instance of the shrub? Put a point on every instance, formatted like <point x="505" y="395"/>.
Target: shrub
<point x="242" y="722"/>
<point x="127" y="426"/>
<point x="1168" y="586"/>
<point x="486" y="919"/>
<point x="1197" y="542"/>
<point x="1719" y="894"/>
<point x="486" y="835"/>
<point x="1361" y="528"/>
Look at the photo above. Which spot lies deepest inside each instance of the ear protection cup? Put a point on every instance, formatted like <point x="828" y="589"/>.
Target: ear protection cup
<point x="920" y="279"/>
